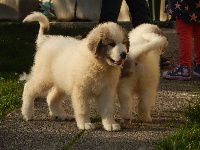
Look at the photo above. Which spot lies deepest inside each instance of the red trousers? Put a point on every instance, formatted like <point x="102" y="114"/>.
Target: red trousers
<point x="186" y="33"/>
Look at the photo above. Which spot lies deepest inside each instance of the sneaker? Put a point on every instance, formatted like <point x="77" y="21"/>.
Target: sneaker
<point x="164" y="62"/>
<point x="180" y="72"/>
<point x="196" y="70"/>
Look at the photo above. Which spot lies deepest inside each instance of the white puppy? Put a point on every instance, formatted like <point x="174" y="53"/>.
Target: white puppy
<point x="140" y="73"/>
<point x="83" y="69"/>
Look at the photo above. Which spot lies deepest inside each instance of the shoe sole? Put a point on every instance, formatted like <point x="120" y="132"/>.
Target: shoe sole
<point x="178" y="78"/>
<point x="166" y="64"/>
<point x="196" y="74"/>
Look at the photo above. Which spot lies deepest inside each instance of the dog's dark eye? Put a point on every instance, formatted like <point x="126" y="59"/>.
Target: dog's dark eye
<point x="112" y="44"/>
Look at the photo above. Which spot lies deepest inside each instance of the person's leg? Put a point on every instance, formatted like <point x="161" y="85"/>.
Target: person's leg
<point x="183" y="70"/>
<point x="196" y="35"/>
<point x="184" y="31"/>
<point x="140" y="12"/>
<point x="110" y="10"/>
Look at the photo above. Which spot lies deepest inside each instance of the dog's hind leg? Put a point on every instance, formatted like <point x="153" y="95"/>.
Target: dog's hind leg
<point x="54" y="100"/>
<point x="145" y="104"/>
<point x="127" y="106"/>
<point x="125" y="97"/>
<point x="32" y="89"/>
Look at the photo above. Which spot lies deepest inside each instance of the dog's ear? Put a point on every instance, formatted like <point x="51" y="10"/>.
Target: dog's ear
<point x="95" y="45"/>
<point x="99" y="47"/>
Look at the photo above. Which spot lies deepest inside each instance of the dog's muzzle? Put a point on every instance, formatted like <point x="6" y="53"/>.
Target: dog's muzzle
<point x="121" y="61"/>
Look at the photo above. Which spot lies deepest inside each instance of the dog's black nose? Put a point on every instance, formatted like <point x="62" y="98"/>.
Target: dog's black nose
<point x="123" y="55"/>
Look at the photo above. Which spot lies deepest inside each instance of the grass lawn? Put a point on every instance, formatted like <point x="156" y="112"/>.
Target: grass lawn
<point x="10" y="92"/>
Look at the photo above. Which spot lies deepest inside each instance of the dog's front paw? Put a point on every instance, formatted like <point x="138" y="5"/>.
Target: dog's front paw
<point x="112" y="127"/>
<point x="86" y="126"/>
<point x="27" y="115"/>
<point x="89" y="126"/>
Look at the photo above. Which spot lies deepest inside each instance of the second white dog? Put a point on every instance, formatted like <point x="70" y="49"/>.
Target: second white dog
<point x="83" y="69"/>
<point x="140" y="73"/>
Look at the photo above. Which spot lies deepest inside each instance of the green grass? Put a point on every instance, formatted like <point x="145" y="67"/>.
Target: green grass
<point x="193" y="113"/>
<point x="10" y="92"/>
<point x="188" y="136"/>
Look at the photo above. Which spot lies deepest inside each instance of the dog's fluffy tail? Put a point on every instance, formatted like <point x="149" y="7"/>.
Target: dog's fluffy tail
<point x="154" y="42"/>
<point x="43" y="21"/>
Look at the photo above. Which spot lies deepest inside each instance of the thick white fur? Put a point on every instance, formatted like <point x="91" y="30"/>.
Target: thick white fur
<point x="83" y="69"/>
<point x="140" y="75"/>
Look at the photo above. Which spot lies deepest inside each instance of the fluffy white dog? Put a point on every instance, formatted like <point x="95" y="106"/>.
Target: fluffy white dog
<point x="83" y="69"/>
<point x="140" y="73"/>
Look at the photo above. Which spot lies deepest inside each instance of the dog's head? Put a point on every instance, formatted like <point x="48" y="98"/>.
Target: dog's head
<point x="109" y="41"/>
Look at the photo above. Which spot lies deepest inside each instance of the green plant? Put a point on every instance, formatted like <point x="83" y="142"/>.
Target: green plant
<point x="10" y="93"/>
<point x="187" y="137"/>
<point x="193" y="113"/>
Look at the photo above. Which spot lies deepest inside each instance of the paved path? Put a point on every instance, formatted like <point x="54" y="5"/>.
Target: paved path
<point x="46" y="134"/>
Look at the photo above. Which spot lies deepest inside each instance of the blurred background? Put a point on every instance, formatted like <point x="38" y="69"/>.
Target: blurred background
<point x="71" y="10"/>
